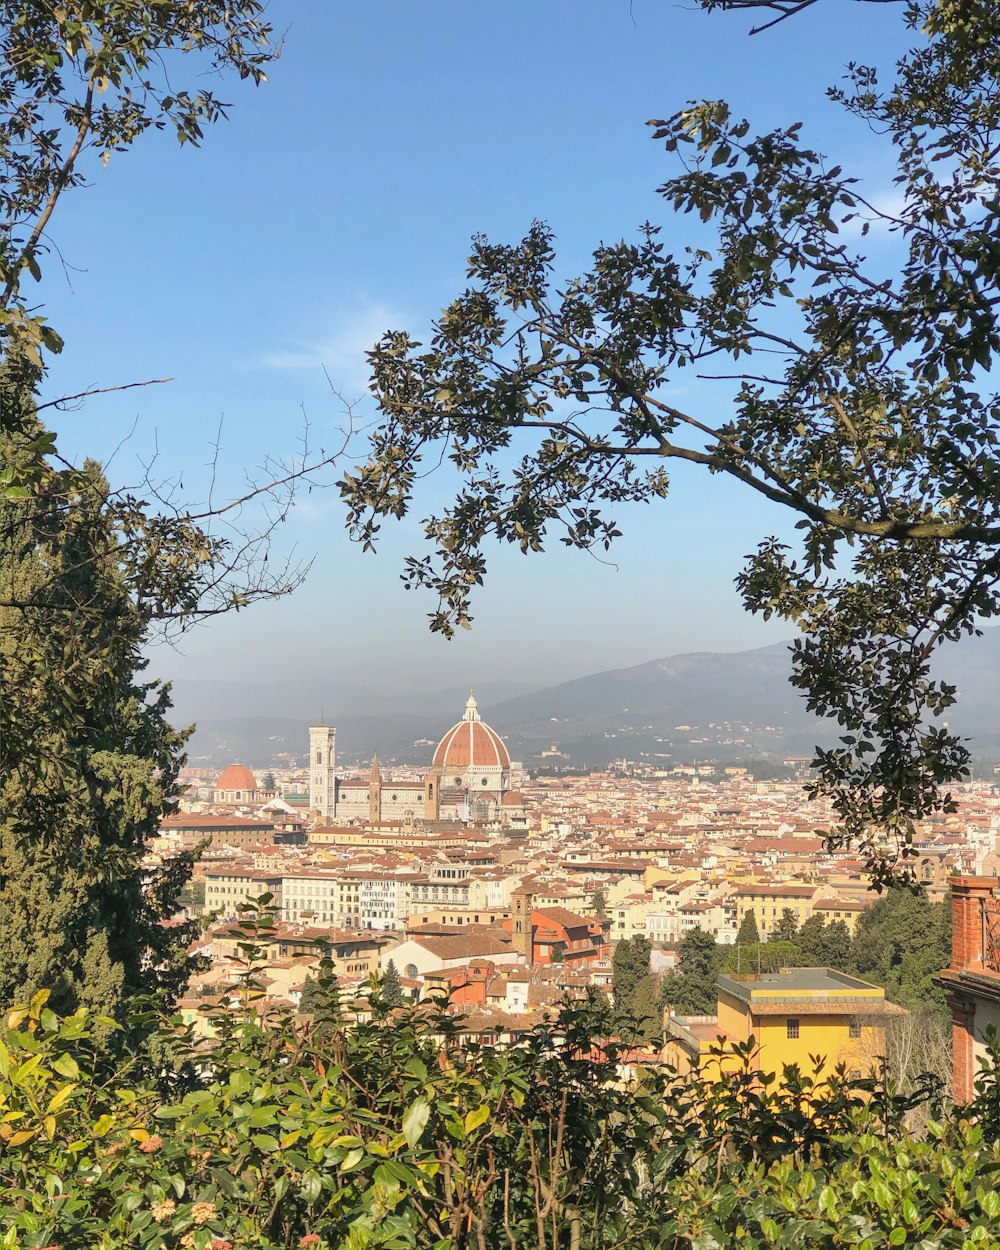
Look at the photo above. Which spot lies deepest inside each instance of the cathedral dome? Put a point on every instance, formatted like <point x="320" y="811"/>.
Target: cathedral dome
<point x="471" y="744"/>
<point x="236" y="777"/>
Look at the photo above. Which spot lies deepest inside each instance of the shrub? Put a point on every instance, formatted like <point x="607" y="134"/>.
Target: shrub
<point x="278" y="1132"/>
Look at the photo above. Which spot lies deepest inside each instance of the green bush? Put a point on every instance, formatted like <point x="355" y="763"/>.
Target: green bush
<point x="402" y="1132"/>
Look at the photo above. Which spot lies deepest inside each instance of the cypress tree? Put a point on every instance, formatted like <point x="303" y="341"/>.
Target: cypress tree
<point x="390" y="989"/>
<point x="629" y="965"/>
<point x="748" y="934"/>
<point x="787" y="928"/>
<point x="88" y="761"/>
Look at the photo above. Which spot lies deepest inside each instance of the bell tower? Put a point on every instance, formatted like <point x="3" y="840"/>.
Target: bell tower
<point x="322" y="770"/>
<point x="432" y="804"/>
<point x="375" y="793"/>
<point x="521" y="901"/>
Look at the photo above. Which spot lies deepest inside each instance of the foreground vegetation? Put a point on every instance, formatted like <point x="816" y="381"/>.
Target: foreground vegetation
<point x="401" y="1132"/>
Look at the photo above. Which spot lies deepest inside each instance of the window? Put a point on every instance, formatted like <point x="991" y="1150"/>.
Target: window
<point x="791" y="1028"/>
<point x="854" y="1028"/>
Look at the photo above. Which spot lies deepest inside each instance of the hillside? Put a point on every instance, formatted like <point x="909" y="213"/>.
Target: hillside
<point x="701" y="705"/>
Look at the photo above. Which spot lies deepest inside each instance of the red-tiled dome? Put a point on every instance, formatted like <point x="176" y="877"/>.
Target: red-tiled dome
<point x="236" y="777"/>
<point x="471" y="744"/>
<point x="513" y="798"/>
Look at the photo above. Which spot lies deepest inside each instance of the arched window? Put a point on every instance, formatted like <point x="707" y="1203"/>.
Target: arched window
<point x="319" y="757"/>
<point x="411" y="971"/>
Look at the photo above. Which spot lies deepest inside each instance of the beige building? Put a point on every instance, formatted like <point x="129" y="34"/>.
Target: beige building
<point x="228" y="886"/>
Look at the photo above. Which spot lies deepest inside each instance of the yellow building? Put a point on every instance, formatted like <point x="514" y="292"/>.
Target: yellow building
<point x="846" y="909"/>
<point x="768" y="902"/>
<point x="792" y="1015"/>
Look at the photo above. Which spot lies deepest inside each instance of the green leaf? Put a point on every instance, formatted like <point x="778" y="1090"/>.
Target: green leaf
<point x="475" y="1118"/>
<point x="415" y="1119"/>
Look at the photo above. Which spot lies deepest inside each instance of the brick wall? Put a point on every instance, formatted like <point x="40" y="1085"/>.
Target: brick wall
<point x="967" y="898"/>
<point x="967" y="894"/>
<point x="963" y="1018"/>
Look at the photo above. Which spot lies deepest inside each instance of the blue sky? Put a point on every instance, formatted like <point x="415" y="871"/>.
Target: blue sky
<point x="337" y="202"/>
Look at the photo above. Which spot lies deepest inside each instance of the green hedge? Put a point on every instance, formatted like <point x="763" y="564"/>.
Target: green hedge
<point x="400" y="1133"/>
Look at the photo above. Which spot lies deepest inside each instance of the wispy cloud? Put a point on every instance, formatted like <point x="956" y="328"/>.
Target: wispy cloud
<point x="888" y="203"/>
<point x="341" y="351"/>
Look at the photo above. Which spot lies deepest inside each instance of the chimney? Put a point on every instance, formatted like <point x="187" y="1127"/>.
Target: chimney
<point x="968" y="899"/>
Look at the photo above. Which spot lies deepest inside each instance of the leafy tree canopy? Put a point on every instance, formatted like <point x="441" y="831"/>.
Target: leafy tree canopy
<point x="762" y="957"/>
<point x="283" y="1134"/>
<point x="857" y="397"/>
<point x="629" y="965"/>
<point x="693" y="987"/>
<point x="80" y="83"/>
<point x="390" y="988"/>
<point x="824" y="945"/>
<point x="902" y="943"/>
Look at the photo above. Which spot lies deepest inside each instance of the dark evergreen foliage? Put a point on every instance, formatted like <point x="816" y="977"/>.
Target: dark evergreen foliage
<point x="88" y="762"/>
<point x="748" y="934"/>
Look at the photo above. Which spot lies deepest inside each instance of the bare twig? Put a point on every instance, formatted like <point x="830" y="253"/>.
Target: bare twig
<point x="99" y="390"/>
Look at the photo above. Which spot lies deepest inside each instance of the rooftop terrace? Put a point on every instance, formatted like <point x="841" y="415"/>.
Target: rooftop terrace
<point x="819" y="984"/>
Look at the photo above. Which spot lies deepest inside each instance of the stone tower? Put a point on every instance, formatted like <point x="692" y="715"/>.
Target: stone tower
<point x="521" y="904"/>
<point x="375" y="793"/>
<point x="432" y="806"/>
<point x="322" y="770"/>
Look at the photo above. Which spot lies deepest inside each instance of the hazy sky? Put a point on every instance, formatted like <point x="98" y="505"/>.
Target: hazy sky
<point x="338" y="202"/>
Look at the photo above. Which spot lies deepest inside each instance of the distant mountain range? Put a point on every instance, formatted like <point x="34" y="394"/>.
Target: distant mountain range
<point x="702" y="705"/>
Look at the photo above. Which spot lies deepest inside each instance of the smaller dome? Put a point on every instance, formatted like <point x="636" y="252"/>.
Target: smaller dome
<point x="513" y="798"/>
<point x="236" y="777"/>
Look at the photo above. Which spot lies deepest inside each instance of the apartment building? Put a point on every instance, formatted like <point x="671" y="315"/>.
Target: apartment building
<point x="792" y="1016"/>
<point x="769" y="902"/>
<point x="228" y="886"/>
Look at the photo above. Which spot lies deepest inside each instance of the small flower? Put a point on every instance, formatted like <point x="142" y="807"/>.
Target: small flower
<point x="202" y="1212"/>
<point x="151" y="1145"/>
<point x="164" y="1210"/>
<point x="310" y="1239"/>
<point x="220" y="1243"/>
<point x="187" y="1239"/>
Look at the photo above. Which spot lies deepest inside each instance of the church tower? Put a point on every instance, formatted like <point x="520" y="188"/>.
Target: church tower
<point x="322" y="770"/>
<point x="375" y="793"/>
<point x="523" y="938"/>
<point x="432" y="807"/>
